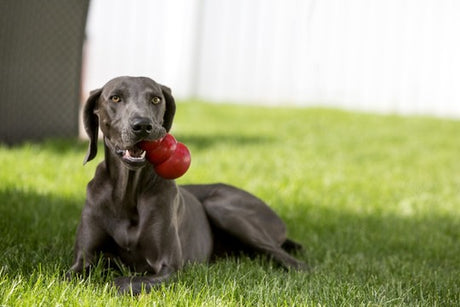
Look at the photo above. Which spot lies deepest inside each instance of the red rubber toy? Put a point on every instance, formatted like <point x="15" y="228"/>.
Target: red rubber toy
<point x="170" y="159"/>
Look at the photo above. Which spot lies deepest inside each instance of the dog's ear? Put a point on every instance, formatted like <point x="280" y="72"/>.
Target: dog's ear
<point x="91" y="124"/>
<point x="170" y="108"/>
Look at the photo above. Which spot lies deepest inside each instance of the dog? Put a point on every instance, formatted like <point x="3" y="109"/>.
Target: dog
<point x="150" y="224"/>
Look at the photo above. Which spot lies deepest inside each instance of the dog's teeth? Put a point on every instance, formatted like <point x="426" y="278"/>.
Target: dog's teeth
<point x="134" y="155"/>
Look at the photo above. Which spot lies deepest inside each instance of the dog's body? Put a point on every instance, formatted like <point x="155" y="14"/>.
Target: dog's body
<point x="149" y="223"/>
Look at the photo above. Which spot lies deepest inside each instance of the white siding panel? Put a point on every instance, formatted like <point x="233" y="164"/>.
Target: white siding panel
<point x="153" y="38"/>
<point x="375" y="55"/>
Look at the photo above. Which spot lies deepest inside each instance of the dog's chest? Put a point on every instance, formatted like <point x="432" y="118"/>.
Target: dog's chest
<point x="122" y="221"/>
<point x="125" y="233"/>
<point x="137" y="246"/>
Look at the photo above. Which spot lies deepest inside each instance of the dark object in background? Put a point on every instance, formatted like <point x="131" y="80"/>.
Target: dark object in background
<point x="40" y="68"/>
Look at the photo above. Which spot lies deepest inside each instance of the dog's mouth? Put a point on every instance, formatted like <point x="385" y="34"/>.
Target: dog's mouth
<point x="133" y="156"/>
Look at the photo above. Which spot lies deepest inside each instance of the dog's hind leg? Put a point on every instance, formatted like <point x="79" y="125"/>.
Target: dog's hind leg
<point x="249" y="220"/>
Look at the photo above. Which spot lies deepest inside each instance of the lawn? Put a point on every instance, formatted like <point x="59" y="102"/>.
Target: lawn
<point x="374" y="199"/>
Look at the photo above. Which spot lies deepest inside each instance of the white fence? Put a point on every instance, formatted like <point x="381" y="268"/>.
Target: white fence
<point x="399" y="56"/>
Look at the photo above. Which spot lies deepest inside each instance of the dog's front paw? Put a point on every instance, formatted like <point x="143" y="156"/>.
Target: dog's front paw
<point x="69" y="275"/>
<point x="136" y="284"/>
<point x="72" y="274"/>
<point x="132" y="285"/>
<point x="125" y="286"/>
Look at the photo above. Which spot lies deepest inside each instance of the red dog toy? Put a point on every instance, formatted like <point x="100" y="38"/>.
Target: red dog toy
<point x="170" y="159"/>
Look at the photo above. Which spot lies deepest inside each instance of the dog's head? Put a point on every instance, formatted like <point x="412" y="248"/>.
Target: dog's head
<point x="128" y="110"/>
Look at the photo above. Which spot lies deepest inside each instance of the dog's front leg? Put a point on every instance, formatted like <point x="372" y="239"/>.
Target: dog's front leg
<point x="88" y="245"/>
<point x="135" y="284"/>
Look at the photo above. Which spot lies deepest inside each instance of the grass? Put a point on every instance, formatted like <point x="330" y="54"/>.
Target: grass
<point x="374" y="199"/>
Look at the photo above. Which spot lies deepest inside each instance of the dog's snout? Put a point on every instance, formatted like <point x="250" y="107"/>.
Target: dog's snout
<point x="142" y="126"/>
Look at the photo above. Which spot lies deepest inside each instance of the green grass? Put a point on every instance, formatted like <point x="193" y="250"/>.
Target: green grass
<point x="374" y="199"/>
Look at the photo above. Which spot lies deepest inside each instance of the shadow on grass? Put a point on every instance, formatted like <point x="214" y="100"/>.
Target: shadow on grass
<point x="345" y="250"/>
<point x="40" y="229"/>
<point x="37" y="231"/>
<point x="209" y="140"/>
<point x="60" y="146"/>
<point x="366" y="241"/>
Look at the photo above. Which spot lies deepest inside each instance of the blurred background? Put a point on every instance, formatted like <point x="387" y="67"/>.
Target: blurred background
<point x="386" y="56"/>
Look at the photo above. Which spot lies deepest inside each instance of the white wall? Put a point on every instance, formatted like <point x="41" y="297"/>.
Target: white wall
<point x="152" y="38"/>
<point x="376" y="55"/>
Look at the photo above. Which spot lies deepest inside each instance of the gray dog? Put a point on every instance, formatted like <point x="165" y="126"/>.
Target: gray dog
<point x="149" y="223"/>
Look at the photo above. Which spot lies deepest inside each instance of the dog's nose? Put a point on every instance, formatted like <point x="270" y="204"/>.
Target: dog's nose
<point x="142" y="126"/>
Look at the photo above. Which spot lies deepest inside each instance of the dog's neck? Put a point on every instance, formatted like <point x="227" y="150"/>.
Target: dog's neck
<point x="127" y="183"/>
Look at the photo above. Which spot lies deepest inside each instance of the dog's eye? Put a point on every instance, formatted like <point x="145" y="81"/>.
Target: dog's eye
<point x="115" y="98"/>
<point x="156" y="100"/>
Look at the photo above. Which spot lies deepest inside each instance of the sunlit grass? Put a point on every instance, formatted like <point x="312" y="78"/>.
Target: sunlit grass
<point x="374" y="199"/>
